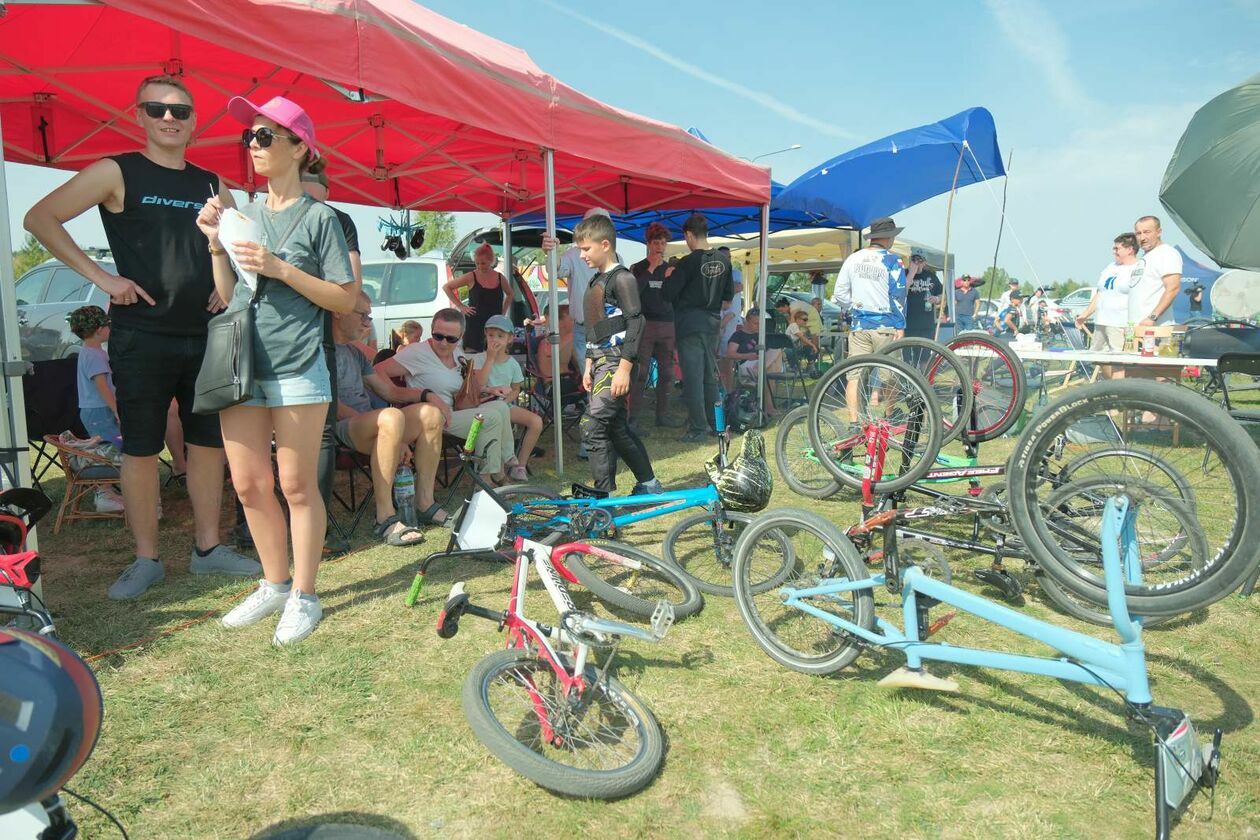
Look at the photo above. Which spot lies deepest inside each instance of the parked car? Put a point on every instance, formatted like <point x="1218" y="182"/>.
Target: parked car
<point x="1074" y="303"/>
<point x="46" y="295"/>
<point x="404" y="290"/>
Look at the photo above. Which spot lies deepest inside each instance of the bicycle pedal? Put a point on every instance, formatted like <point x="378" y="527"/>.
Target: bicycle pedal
<point x="905" y="677"/>
<point x="1003" y="580"/>
<point x="940" y="623"/>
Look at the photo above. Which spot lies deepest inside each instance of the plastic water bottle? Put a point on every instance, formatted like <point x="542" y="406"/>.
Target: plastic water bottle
<point x="405" y="495"/>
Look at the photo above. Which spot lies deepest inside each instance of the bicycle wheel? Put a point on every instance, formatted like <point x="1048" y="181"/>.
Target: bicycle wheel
<point x="1083" y="609"/>
<point x="791" y="636"/>
<point x="540" y="524"/>
<point x="997" y="382"/>
<point x="881" y="394"/>
<point x="795" y="458"/>
<point x="1192" y="438"/>
<point x="605" y="745"/>
<point x="929" y="558"/>
<point x="634" y="590"/>
<point x="1138" y="464"/>
<point x="703" y="551"/>
<point x="946" y="375"/>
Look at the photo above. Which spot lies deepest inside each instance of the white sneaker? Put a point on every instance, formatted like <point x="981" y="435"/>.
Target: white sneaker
<point x="300" y="618"/>
<point x="268" y="598"/>
<point x="107" y="501"/>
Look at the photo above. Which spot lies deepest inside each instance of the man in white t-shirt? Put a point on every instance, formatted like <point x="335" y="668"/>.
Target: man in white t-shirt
<point x="1159" y="283"/>
<point x="1110" y="303"/>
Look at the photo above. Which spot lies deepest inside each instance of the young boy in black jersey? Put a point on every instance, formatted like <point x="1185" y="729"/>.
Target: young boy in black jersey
<point x="612" y="347"/>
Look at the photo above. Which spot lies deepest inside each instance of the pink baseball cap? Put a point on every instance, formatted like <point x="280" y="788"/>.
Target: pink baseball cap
<point x="279" y="110"/>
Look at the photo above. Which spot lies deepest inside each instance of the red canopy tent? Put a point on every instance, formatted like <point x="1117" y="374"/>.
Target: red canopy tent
<point x="413" y="110"/>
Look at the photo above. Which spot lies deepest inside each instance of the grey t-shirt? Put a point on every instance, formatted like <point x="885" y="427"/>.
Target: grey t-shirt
<point x="352" y="366"/>
<point x="290" y="326"/>
<point x="965" y="301"/>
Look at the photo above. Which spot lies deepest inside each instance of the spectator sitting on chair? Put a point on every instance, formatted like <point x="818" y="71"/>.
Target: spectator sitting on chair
<point x="384" y="433"/>
<point x="98" y="409"/>
<point x="742" y="348"/>
<point x="499" y="376"/>
<point x="434" y="367"/>
<point x="804" y="342"/>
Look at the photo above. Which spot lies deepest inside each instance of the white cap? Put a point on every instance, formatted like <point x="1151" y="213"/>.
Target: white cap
<point x="596" y="211"/>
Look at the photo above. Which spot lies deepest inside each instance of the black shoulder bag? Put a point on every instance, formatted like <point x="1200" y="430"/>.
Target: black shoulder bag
<point x="226" y="377"/>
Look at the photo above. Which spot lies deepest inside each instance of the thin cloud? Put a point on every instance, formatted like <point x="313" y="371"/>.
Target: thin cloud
<point x="765" y="100"/>
<point x="1033" y="33"/>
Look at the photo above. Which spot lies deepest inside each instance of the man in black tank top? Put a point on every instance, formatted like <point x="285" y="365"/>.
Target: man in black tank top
<point x="159" y="308"/>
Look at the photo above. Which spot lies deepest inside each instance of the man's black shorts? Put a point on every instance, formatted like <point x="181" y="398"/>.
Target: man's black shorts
<point x="149" y="371"/>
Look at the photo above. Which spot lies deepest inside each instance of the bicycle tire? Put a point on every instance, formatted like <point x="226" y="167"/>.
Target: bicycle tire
<point x="532" y="526"/>
<point x="783" y="632"/>
<point x="714" y="576"/>
<point x="794" y="456"/>
<point x="504" y="738"/>
<point x="635" y="591"/>
<point x="1074" y="467"/>
<point x="996" y="414"/>
<point x="957" y="397"/>
<point x="923" y="420"/>
<point x="1236" y="473"/>
<point x="1083" y="609"/>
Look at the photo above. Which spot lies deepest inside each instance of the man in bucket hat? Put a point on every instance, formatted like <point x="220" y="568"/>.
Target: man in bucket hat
<point x="159" y="308"/>
<point x="872" y="286"/>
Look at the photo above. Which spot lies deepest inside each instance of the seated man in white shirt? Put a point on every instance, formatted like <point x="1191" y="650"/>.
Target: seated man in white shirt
<point x="383" y="433"/>
<point x="1110" y="304"/>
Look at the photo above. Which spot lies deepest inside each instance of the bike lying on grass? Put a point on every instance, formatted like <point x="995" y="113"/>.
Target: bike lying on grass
<point x="698" y="547"/>
<point x="543" y="706"/>
<point x="819" y="622"/>
<point x="620" y="574"/>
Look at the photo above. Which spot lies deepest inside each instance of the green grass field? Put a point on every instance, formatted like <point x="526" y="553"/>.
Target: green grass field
<point x="216" y="734"/>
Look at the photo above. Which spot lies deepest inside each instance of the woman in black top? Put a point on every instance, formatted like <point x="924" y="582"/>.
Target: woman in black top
<point x="489" y="293"/>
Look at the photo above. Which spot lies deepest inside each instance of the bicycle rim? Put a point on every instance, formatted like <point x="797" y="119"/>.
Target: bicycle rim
<point x="998" y="384"/>
<point x="795" y="457"/>
<point x="946" y="376"/>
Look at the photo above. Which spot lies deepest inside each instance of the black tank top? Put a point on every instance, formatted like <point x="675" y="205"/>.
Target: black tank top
<point x="486" y="300"/>
<point x="156" y="243"/>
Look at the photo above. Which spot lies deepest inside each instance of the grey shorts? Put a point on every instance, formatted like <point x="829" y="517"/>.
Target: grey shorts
<point x="341" y="434"/>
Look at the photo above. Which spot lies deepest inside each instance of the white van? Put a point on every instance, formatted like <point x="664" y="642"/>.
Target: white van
<point x="404" y="290"/>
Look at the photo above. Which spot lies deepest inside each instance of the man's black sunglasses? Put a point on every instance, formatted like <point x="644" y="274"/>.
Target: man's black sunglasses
<point x="157" y="110"/>
<point x="264" y="136"/>
<point x="450" y="339"/>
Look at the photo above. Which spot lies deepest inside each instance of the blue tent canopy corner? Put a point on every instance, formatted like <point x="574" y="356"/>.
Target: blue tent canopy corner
<point x="897" y="171"/>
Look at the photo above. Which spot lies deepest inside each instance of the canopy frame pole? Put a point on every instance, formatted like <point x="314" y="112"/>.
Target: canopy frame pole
<point x="553" y="317"/>
<point x="13" y="412"/>
<point x="763" y="277"/>
<point x="947" y="288"/>
<point x="507" y="254"/>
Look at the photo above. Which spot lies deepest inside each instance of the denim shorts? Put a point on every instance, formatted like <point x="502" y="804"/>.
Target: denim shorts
<point x="309" y="387"/>
<point x="101" y="422"/>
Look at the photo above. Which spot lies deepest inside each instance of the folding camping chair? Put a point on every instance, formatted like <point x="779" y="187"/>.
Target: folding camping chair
<point x="51" y="393"/>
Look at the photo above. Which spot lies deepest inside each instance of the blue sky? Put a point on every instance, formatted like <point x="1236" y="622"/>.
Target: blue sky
<point x="1091" y="97"/>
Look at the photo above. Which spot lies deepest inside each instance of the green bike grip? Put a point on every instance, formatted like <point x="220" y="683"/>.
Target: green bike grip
<point x="413" y="595"/>
<point x="475" y="429"/>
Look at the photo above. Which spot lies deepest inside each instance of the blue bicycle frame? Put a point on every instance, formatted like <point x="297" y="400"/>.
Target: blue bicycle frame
<point x="1182" y="763"/>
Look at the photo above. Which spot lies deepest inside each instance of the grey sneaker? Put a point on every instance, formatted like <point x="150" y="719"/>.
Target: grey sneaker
<point x="137" y="579"/>
<point x="224" y="561"/>
<point x="301" y="617"/>
<point x="268" y="598"/>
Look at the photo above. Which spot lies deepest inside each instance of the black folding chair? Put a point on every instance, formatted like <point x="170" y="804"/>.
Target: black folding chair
<point x="51" y="393"/>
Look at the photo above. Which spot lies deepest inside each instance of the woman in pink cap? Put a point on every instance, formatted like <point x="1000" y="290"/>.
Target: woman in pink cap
<point x="303" y="267"/>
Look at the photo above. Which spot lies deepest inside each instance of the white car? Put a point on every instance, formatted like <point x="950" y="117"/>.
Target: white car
<point x="1074" y="303"/>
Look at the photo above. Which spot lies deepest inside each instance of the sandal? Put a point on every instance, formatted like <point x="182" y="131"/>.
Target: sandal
<point x="400" y="537"/>
<point x="517" y="472"/>
<point x="428" y="516"/>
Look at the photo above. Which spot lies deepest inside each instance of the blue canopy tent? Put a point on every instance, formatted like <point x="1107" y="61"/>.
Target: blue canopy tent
<point x="898" y="171"/>
<point x="723" y="221"/>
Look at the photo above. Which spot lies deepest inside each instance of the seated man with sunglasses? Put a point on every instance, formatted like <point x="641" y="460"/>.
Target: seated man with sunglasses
<point x="434" y="367"/>
<point x="160" y="306"/>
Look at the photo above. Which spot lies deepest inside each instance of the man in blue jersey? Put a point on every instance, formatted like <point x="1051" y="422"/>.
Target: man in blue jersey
<point x="872" y="286"/>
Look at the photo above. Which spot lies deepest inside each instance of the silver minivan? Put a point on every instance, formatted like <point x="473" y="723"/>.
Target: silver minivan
<point x="46" y="295"/>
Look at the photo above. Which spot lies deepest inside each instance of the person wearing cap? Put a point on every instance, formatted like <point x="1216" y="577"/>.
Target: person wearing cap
<point x="98" y="409"/>
<point x="1004" y="300"/>
<point x="923" y="294"/>
<point x="302" y="267"/>
<point x="499" y="377"/>
<point x="1011" y="319"/>
<point x="872" y="286"/>
<point x="658" y="333"/>
<point x="160" y="305"/>
<point x="966" y="304"/>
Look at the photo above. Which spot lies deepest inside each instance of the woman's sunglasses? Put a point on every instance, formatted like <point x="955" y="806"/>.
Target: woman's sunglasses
<point x="264" y="136"/>
<point x="449" y="339"/>
<point x="157" y="110"/>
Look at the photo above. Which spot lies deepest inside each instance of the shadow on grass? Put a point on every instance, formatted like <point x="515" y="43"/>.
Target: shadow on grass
<point x="345" y="825"/>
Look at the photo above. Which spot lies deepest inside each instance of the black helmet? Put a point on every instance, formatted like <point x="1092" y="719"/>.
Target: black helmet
<point x="745" y="485"/>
